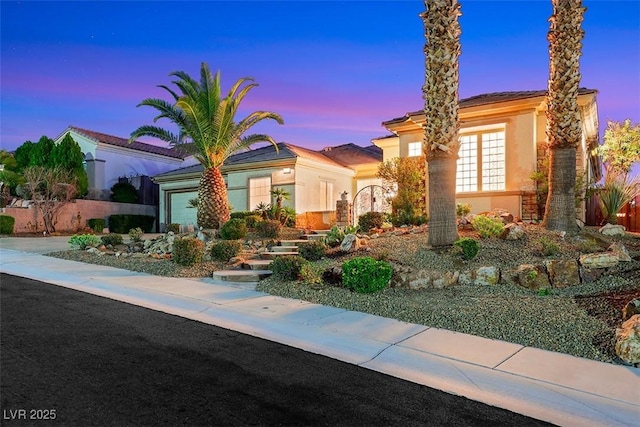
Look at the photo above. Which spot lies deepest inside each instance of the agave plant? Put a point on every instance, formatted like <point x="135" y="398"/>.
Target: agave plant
<point x="617" y="191"/>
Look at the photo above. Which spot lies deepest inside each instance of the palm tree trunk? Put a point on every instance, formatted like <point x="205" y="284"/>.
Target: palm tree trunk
<point x="564" y="130"/>
<point x="440" y="93"/>
<point x="561" y="200"/>
<point x="443" y="228"/>
<point x="213" y="204"/>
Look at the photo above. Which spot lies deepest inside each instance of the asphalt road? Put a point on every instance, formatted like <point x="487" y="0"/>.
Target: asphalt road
<point x="75" y="359"/>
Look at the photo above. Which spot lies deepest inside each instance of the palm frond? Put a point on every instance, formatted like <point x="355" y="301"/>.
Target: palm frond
<point x="155" y="132"/>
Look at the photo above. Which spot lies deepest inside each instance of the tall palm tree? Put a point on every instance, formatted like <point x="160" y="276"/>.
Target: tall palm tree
<point x="563" y="131"/>
<point x="440" y="93"/>
<point x="207" y="128"/>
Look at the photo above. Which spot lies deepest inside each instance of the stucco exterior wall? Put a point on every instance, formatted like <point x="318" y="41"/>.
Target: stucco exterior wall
<point x="74" y="216"/>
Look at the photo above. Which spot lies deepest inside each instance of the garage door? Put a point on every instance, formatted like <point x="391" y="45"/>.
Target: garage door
<point x="180" y="212"/>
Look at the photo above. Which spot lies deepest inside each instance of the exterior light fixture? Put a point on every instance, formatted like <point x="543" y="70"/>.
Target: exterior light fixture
<point x="286" y="171"/>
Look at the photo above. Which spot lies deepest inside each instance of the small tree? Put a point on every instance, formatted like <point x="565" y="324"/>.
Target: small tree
<point x="621" y="148"/>
<point x="50" y="190"/>
<point x="408" y="175"/>
<point x="280" y="194"/>
<point x="68" y="155"/>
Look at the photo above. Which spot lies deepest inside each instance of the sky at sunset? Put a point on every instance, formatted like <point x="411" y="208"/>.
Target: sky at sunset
<point x="333" y="69"/>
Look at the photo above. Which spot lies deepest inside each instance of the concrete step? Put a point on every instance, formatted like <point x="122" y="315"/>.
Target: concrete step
<point x="241" y="275"/>
<point x="284" y="249"/>
<point x="294" y="242"/>
<point x="257" y="264"/>
<point x="274" y="255"/>
<point x="314" y="236"/>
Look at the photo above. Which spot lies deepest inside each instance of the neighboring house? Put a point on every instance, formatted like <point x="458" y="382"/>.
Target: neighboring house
<point x="314" y="180"/>
<point x="502" y="138"/>
<point x="109" y="158"/>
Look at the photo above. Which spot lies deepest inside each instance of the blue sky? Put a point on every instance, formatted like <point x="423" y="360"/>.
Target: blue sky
<point x="333" y="69"/>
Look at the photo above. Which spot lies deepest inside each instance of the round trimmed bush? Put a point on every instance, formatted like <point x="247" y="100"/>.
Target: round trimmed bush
<point x="269" y="228"/>
<point x="224" y="250"/>
<point x="111" y="239"/>
<point x="287" y="267"/>
<point x="312" y="251"/>
<point x="366" y="275"/>
<point x="469" y="247"/>
<point x="188" y="251"/>
<point x="370" y="220"/>
<point x="234" y="229"/>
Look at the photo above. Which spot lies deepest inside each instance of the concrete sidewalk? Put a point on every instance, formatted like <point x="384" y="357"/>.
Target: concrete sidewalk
<point x="549" y="386"/>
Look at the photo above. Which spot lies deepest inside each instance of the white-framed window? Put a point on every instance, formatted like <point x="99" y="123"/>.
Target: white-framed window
<point x="326" y="196"/>
<point x="415" y="149"/>
<point x="481" y="162"/>
<point x="259" y="191"/>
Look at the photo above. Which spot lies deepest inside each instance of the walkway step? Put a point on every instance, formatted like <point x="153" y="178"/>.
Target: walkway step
<point x="314" y="236"/>
<point x="241" y="275"/>
<point x="284" y="249"/>
<point x="274" y="255"/>
<point x="294" y="242"/>
<point x="257" y="264"/>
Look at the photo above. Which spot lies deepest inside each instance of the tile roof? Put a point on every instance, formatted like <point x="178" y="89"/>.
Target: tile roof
<point x="122" y="142"/>
<point x="351" y="154"/>
<point x="490" y="98"/>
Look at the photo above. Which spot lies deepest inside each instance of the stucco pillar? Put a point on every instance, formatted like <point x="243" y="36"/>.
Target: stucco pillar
<point x="343" y="213"/>
<point x="95" y="173"/>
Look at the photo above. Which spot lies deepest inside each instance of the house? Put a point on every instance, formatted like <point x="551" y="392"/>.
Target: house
<point x="109" y="158"/>
<point x="502" y="142"/>
<point x="314" y="180"/>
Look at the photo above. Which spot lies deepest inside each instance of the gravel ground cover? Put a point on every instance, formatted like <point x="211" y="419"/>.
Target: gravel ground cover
<point x="579" y="320"/>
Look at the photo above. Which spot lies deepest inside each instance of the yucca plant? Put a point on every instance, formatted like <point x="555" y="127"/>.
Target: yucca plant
<point x="617" y="191"/>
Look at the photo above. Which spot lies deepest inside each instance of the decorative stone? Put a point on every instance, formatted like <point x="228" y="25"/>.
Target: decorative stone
<point x="563" y="273"/>
<point x="528" y="276"/>
<point x="236" y="261"/>
<point x="589" y="275"/>
<point x="631" y="309"/>
<point x="612" y="230"/>
<point x="599" y="260"/>
<point x="349" y="243"/>
<point x="374" y="236"/>
<point x="485" y="276"/>
<point x="512" y="232"/>
<point x="405" y="277"/>
<point x="506" y="217"/>
<point x="628" y="340"/>
<point x="620" y="251"/>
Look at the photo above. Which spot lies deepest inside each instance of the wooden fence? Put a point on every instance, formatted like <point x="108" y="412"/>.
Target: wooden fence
<point x="629" y="215"/>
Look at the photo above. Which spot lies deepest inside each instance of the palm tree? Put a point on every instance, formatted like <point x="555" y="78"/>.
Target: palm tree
<point x="208" y="130"/>
<point x="280" y="195"/>
<point x="440" y="93"/>
<point x="563" y="131"/>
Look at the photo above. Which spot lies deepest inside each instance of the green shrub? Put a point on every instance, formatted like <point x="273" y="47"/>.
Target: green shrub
<point x="334" y="236"/>
<point x="269" y="228"/>
<point x="312" y="250"/>
<point x="84" y="241"/>
<point x="122" y="223"/>
<point x="224" y="250"/>
<point x="188" y="251"/>
<point x="309" y="274"/>
<point x="172" y="227"/>
<point x="6" y="224"/>
<point x="463" y="209"/>
<point x="487" y="226"/>
<point x="469" y="247"/>
<point x="234" y="229"/>
<point x="549" y="247"/>
<point x="287" y="267"/>
<point x="366" y="275"/>
<point x="370" y="220"/>
<point x="252" y="220"/>
<point x="124" y="192"/>
<point x="403" y="218"/>
<point x="111" y="239"/>
<point x="96" y="224"/>
<point x="240" y="215"/>
<point x="135" y="234"/>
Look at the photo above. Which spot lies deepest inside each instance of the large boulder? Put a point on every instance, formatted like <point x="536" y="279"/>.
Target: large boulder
<point x="485" y="276"/>
<point x="628" y="340"/>
<point x="612" y="230"/>
<point x="599" y="260"/>
<point x="406" y="277"/>
<point x="631" y="309"/>
<point x="349" y="243"/>
<point x="512" y="231"/>
<point x="620" y="251"/>
<point x="563" y="273"/>
<point x="528" y="276"/>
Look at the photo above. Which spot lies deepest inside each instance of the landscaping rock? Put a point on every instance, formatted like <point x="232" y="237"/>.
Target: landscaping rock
<point x="620" y="251"/>
<point x="631" y="309"/>
<point x="349" y="243"/>
<point x="528" y="276"/>
<point x="599" y="260"/>
<point x="512" y="232"/>
<point x="406" y="277"/>
<point x="628" y="340"/>
<point x="332" y="275"/>
<point x="612" y="230"/>
<point x="563" y="273"/>
<point x="485" y="276"/>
